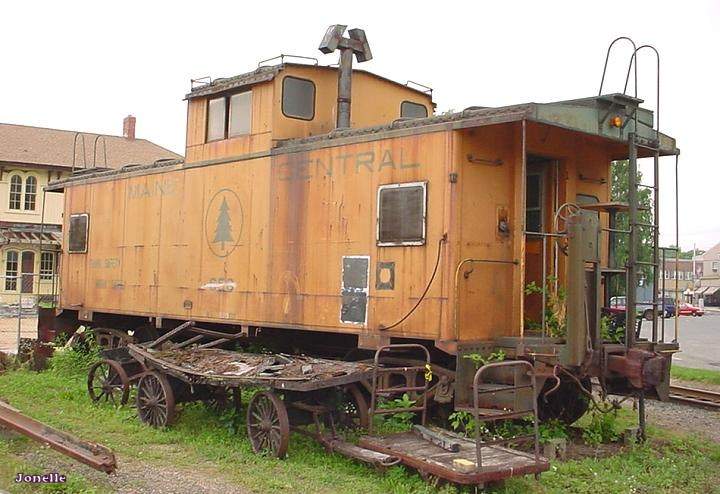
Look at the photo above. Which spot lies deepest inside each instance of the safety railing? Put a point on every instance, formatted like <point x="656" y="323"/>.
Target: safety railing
<point x="413" y="370"/>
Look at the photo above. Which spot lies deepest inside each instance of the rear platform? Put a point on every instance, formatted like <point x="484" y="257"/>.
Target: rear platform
<point x="498" y="463"/>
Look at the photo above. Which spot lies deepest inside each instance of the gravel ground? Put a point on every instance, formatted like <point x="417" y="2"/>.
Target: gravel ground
<point x="684" y="418"/>
<point x="134" y="476"/>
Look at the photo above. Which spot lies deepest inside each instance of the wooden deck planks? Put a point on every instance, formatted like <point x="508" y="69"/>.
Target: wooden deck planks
<point x="498" y="462"/>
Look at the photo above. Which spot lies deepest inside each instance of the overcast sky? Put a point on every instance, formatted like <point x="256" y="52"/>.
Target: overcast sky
<point x="84" y="66"/>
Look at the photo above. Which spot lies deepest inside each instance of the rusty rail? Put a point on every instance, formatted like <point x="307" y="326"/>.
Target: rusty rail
<point x="94" y="455"/>
<point x="695" y="397"/>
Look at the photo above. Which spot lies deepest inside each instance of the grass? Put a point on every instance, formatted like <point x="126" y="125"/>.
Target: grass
<point x="203" y="441"/>
<point x="697" y="375"/>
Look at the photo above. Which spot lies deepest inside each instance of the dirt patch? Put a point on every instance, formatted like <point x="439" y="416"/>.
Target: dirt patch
<point x="577" y="449"/>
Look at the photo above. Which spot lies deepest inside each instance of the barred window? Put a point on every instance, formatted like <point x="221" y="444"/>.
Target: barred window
<point x="11" y="270"/>
<point x="401" y="214"/>
<point x="15" y="191"/>
<point x="30" y="193"/>
<point x="47" y="265"/>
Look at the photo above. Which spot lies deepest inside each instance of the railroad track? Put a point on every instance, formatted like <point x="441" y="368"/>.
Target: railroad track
<point x="695" y="397"/>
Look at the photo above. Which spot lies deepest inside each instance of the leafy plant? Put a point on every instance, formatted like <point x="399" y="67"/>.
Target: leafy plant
<point x="464" y="422"/>
<point x="399" y="419"/>
<point x="601" y="429"/>
<point x="611" y="332"/>
<point x="479" y="360"/>
<point x="78" y="358"/>
<point x="555" y="307"/>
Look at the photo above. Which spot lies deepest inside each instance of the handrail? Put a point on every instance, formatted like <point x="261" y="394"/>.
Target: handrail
<point x="657" y="83"/>
<point x="476" y="404"/>
<point x="607" y="57"/>
<point x="456" y="303"/>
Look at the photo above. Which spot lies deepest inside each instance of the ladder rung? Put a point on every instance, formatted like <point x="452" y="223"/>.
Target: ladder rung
<point x="500" y="390"/>
<point x="399" y="390"/>
<point x="647" y="186"/>
<point x="648" y="225"/>
<point x="383" y="411"/>
<point x="646" y="263"/>
<point x="399" y="369"/>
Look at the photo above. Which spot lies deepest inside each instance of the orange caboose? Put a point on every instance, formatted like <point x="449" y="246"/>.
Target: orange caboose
<point x="334" y="226"/>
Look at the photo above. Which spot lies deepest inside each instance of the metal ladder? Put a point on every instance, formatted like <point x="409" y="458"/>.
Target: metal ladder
<point x="378" y="371"/>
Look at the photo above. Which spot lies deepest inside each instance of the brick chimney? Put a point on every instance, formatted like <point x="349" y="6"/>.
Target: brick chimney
<point x="129" y="127"/>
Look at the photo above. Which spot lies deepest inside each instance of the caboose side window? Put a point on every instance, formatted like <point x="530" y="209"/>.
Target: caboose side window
<point x="240" y="113"/>
<point x="216" y="119"/>
<point x="298" y="98"/>
<point x="408" y="109"/>
<point x="401" y="214"/>
<point x="78" y="233"/>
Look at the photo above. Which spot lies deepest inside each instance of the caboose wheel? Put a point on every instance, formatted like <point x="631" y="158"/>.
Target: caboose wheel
<point x="108" y="380"/>
<point x="567" y="404"/>
<point x="268" y="425"/>
<point x="155" y="400"/>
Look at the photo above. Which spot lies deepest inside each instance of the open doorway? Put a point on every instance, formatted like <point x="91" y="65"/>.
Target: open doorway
<point x="541" y="201"/>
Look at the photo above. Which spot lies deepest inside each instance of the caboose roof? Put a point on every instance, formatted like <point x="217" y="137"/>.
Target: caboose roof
<point x="268" y="73"/>
<point x="586" y="116"/>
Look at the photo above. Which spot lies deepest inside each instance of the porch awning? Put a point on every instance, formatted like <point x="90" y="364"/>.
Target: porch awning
<point x="711" y="290"/>
<point x="34" y="236"/>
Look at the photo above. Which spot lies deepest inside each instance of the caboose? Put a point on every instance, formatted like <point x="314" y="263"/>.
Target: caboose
<point x="331" y="211"/>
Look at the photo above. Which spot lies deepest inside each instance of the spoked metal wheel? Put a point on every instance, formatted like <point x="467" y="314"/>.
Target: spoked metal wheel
<point x="108" y="381"/>
<point x="268" y="425"/>
<point x="155" y="400"/>
<point x="352" y="411"/>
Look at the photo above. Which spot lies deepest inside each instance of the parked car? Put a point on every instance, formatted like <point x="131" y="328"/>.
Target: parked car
<point x="644" y="309"/>
<point x="690" y="310"/>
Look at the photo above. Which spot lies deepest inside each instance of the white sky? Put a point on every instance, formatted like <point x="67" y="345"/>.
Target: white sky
<point x="85" y="65"/>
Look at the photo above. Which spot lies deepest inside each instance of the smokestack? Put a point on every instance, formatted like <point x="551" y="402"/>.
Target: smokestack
<point x="129" y="127"/>
<point x="357" y="45"/>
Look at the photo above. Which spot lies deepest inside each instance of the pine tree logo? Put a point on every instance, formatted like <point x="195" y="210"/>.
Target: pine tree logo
<point x="223" y="222"/>
<point x="223" y="230"/>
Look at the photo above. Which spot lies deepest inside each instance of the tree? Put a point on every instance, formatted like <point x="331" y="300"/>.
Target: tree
<point x="223" y="228"/>
<point x="619" y="192"/>
<point x="684" y="254"/>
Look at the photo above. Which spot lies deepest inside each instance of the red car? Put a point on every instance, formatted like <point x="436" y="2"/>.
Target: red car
<point x="690" y="310"/>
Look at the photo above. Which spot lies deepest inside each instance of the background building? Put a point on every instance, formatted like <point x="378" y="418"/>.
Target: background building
<point x="707" y="273"/>
<point x="30" y="157"/>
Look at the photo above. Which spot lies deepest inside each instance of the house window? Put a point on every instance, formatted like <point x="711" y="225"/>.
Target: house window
<point x="78" y="233"/>
<point x="533" y="203"/>
<point x="47" y="265"/>
<point x="408" y="109"/>
<point x="216" y="119"/>
<point x="402" y="213"/>
<point x="715" y="265"/>
<point x="15" y="191"/>
<point x="298" y="98"/>
<point x="240" y="113"/>
<point x="30" y="193"/>
<point x="11" y="270"/>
